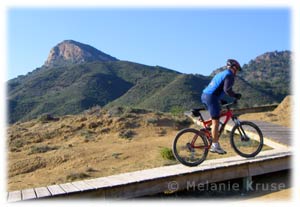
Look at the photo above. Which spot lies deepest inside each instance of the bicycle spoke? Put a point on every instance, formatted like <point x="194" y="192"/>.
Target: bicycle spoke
<point x="189" y="147"/>
<point x="246" y="139"/>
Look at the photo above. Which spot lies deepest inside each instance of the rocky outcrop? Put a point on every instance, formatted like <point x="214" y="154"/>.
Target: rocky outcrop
<point x="72" y="52"/>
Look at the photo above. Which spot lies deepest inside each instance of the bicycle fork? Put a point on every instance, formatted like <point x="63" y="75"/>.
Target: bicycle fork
<point x="191" y="146"/>
<point x="240" y="129"/>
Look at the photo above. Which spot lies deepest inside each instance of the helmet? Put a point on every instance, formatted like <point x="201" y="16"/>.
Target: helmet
<point x="232" y="62"/>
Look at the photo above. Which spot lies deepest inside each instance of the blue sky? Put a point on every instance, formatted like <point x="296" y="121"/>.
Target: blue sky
<point x="188" y="40"/>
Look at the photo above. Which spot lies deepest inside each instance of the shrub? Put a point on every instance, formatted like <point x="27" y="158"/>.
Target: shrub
<point x="41" y="149"/>
<point x="77" y="176"/>
<point x="88" y="135"/>
<point x="127" y="134"/>
<point x="182" y="123"/>
<point x="167" y="153"/>
<point x="17" y="143"/>
<point x="152" y="121"/>
<point x="90" y="169"/>
<point x="116" y="155"/>
<point x="82" y="119"/>
<point x="161" y="132"/>
<point x="93" y="125"/>
<point x="177" y="111"/>
<point x="45" y="118"/>
<point x="48" y="135"/>
<point x="115" y="111"/>
<point x="137" y="111"/>
<point x="95" y="110"/>
<point x="104" y="130"/>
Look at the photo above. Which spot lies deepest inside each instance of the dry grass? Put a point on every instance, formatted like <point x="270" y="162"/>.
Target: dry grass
<point x="281" y="115"/>
<point x="93" y="144"/>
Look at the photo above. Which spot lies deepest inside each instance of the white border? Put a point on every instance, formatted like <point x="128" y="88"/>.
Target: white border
<point x="4" y="5"/>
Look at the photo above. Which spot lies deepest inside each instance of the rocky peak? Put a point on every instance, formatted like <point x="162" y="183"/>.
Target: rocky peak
<point x="268" y="56"/>
<point x="72" y="52"/>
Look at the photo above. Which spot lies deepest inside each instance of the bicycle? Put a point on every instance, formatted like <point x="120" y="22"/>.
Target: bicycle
<point x="191" y="146"/>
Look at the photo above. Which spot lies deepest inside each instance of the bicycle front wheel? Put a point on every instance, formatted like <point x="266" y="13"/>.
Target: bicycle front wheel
<point x="190" y="147"/>
<point x="246" y="139"/>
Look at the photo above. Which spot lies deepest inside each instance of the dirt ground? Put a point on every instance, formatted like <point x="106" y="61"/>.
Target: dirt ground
<point x="90" y="146"/>
<point x="99" y="143"/>
<point x="281" y="115"/>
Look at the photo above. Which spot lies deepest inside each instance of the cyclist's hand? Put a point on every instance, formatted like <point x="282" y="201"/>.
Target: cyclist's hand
<point x="238" y="96"/>
<point x="223" y="102"/>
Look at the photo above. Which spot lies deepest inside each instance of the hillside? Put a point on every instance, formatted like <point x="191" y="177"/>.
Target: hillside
<point x="99" y="142"/>
<point x="282" y="115"/>
<point x="164" y="97"/>
<point x="92" y="144"/>
<point x="270" y="73"/>
<point x="76" y="77"/>
<point x="72" y="89"/>
<point x="251" y="95"/>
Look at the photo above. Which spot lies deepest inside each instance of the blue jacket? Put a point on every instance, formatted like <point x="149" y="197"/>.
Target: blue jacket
<point x="220" y="84"/>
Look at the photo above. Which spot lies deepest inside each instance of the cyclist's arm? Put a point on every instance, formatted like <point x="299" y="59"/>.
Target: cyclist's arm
<point x="228" y="84"/>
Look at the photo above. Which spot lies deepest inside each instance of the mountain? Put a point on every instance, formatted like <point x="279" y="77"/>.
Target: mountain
<point x="76" y="77"/>
<point x="74" y="88"/>
<point x="164" y="93"/>
<point x="268" y="75"/>
<point x="72" y="52"/>
<point x="271" y="73"/>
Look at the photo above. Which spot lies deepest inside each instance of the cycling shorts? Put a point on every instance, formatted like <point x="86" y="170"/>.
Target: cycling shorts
<point x="212" y="105"/>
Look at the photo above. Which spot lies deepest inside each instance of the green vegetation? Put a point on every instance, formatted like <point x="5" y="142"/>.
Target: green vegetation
<point x="270" y="73"/>
<point x="45" y="118"/>
<point x="41" y="149"/>
<point x="71" y="89"/>
<point x="177" y="110"/>
<point x="17" y="144"/>
<point x="127" y="134"/>
<point x="167" y="154"/>
<point x="116" y="155"/>
<point x="77" y="176"/>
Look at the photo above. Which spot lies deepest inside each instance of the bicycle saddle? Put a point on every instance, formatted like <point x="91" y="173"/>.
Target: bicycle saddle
<point x="196" y="111"/>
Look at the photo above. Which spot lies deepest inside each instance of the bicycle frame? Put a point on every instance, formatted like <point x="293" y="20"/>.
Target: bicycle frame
<point x="191" y="146"/>
<point x="228" y="114"/>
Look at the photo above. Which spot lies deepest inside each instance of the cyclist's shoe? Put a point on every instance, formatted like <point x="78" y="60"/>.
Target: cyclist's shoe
<point x="216" y="148"/>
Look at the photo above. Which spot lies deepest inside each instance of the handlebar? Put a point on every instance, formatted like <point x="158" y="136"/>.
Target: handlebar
<point x="230" y="104"/>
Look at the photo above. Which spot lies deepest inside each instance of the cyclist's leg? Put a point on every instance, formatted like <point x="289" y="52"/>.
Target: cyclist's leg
<point x="211" y="103"/>
<point x="213" y="106"/>
<point x="215" y="115"/>
<point x="215" y="130"/>
<point x="205" y="102"/>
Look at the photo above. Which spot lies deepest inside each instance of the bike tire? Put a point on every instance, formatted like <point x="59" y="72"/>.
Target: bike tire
<point x="200" y="136"/>
<point x="253" y="135"/>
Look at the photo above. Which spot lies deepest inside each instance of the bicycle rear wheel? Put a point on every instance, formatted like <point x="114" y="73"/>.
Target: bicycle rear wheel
<point x="246" y="139"/>
<point x="190" y="147"/>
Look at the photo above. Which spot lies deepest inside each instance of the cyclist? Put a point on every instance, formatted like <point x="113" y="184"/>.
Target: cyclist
<point x="220" y="85"/>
